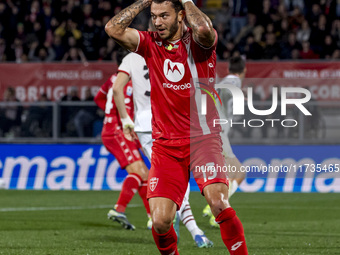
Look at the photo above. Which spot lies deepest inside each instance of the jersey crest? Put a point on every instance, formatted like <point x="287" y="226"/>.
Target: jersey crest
<point x="173" y="71"/>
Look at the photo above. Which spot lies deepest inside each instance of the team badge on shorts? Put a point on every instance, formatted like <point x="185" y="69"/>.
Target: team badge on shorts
<point x="153" y="183"/>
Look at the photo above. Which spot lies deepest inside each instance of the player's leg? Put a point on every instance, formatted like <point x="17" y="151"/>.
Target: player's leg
<point x="134" y="181"/>
<point x="168" y="180"/>
<point x="235" y="177"/>
<point x="163" y="212"/>
<point x="231" y="227"/>
<point x="145" y="139"/>
<point x="186" y="216"/>
<point x="207" y="164"/>
<point x="128" y="156"/>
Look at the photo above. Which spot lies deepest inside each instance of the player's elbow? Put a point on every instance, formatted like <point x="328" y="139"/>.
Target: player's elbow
<point x="112" y="30"/>
<point x="116" y="90"/>
<point x="205" y="35"/>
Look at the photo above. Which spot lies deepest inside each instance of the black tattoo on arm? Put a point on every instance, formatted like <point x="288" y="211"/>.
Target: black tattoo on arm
<point x="118" y="24"/>
<point x="201" y="25"/>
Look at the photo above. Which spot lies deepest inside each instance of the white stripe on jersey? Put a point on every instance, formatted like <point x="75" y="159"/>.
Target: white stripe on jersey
<point x="202" y="118"/>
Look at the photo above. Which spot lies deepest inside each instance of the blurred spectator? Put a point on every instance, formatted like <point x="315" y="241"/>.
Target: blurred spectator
<point x="314" y="15"/>
<point x="10" y="115"/>
<point x="58" y="48"/>
<point x="90" y="40"/>
<point x="283" y="30"/>
<point x="247" y="29"/>
<point x="239" y="16"/>
<point x="74" y="55"/>
<point x="41" y="53"/>
<point x="3" y="50"/>
<point x="291" y="4"/>
<point x="223" y="17"/>
<point x="38" y="122"/>
<point x="252" y="49"/>
<point x="85" y="116"/>
<point x="68" y="112"/>
<point x="328" y="48"/>
<point x="307" y="52"/>
<point x="303" y="32"/>
<point x="318" y="34"/>
<point x="267" y="14"/>
<point x="271" y="49"/>
<point x="17" y="52"/>
<point x="74" y="24"/>
<point x="296" y="18"/>
<point x="288" y="47"/>
<point x="335" y="32"/>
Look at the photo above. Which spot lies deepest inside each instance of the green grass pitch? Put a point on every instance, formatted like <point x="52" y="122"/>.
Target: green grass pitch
<point x="74" y="222"/>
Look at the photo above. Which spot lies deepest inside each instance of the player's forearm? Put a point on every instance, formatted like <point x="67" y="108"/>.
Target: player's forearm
<point x="120" y="104"/>
<point x="200" y="23"/>
<point x="118" y="93"/>
<point x="118" y="24"/>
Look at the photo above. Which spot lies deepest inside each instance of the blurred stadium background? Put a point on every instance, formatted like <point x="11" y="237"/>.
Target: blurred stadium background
<point x="54" y="56"/>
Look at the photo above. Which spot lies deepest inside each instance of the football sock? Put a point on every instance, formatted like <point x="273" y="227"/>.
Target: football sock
<point x="232" y="188"/>
<point x="143" y="188"/>
<point x="130" y="186"/>
<point x="189" y="221"/>
<point x="166" y="243"/>
<point x="232" y="232"/>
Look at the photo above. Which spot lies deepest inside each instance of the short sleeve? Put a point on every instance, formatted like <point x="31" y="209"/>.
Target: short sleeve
<point x="144" y="39"/>
<point x="125" y="66"/>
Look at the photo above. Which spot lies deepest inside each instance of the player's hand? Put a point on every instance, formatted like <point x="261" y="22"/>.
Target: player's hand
<point x="147" y="2"/>
<point x="184" y="1"/>
<point x="128" y="127"/>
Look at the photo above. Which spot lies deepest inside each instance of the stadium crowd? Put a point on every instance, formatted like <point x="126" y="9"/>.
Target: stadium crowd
<point x="73" y="30"/>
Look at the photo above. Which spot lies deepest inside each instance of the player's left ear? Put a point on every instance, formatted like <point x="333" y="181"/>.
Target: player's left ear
<point x="181" y="15"/>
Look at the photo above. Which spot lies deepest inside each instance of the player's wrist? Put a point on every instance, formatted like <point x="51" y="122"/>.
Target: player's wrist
<point x="127" y="122"/>
<point x="185" y="1"/>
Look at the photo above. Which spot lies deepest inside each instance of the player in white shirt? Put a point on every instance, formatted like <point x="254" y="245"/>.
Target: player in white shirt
<point x="134" y="67"/>
<point x="237" y="72"/>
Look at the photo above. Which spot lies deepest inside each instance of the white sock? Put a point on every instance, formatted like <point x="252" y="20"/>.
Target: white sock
<point x="189" y="221"/>
<point x="232" y="187"/>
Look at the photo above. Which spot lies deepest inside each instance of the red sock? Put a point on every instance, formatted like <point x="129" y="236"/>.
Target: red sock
<point x="166" y="243"/>
<point x="232" y="232"/>
<point x="130" y="187"/>
<point x="143" y="188"/>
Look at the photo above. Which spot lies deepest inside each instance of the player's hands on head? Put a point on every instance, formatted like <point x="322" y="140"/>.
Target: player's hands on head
<point x="184" y="1"/>
<point x="148" y="2"/>
<point x="128" y="127"/>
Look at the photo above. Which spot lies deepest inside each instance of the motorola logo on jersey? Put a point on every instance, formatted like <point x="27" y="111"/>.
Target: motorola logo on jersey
<point x="173" y="71"/>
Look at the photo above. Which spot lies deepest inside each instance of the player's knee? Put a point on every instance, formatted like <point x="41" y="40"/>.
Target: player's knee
<point x="161" y="224"/>
<point x="217" y="205"/>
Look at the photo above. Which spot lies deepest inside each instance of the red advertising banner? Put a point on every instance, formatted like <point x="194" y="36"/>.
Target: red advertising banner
<point x="321" y="78"/>
<point x="54" y="79"/>
<point x="32" y="80"/>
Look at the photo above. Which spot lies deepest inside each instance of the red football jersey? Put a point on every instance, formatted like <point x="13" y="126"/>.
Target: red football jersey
<point x="175" y="98"/>
<point x="104" y="99"/>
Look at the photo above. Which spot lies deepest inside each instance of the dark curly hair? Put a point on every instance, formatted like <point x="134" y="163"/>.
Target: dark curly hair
<point x="176" y="4"/>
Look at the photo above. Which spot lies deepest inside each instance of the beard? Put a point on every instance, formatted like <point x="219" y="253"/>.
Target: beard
<point x="172" y="30"/>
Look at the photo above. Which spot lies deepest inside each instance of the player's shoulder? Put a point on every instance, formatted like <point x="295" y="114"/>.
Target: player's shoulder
<point x="231" y="79"/>
<point x="150" y="36"/>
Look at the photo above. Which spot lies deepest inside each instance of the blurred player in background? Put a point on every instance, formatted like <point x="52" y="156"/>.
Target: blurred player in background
<point x="237" y="72"/>
<point x="125" y="151"/>
<point x="175" y="55"/>
<point x="133" y="66"/>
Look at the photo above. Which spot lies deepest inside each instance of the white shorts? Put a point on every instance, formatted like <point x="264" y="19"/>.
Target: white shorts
<point x="145" y="139"/>
<point x="227" y="150"/>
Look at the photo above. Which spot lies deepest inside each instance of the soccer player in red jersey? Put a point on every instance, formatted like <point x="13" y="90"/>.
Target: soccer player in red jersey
<point x="125" y="151"/>
<point x="185" y="139"/>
